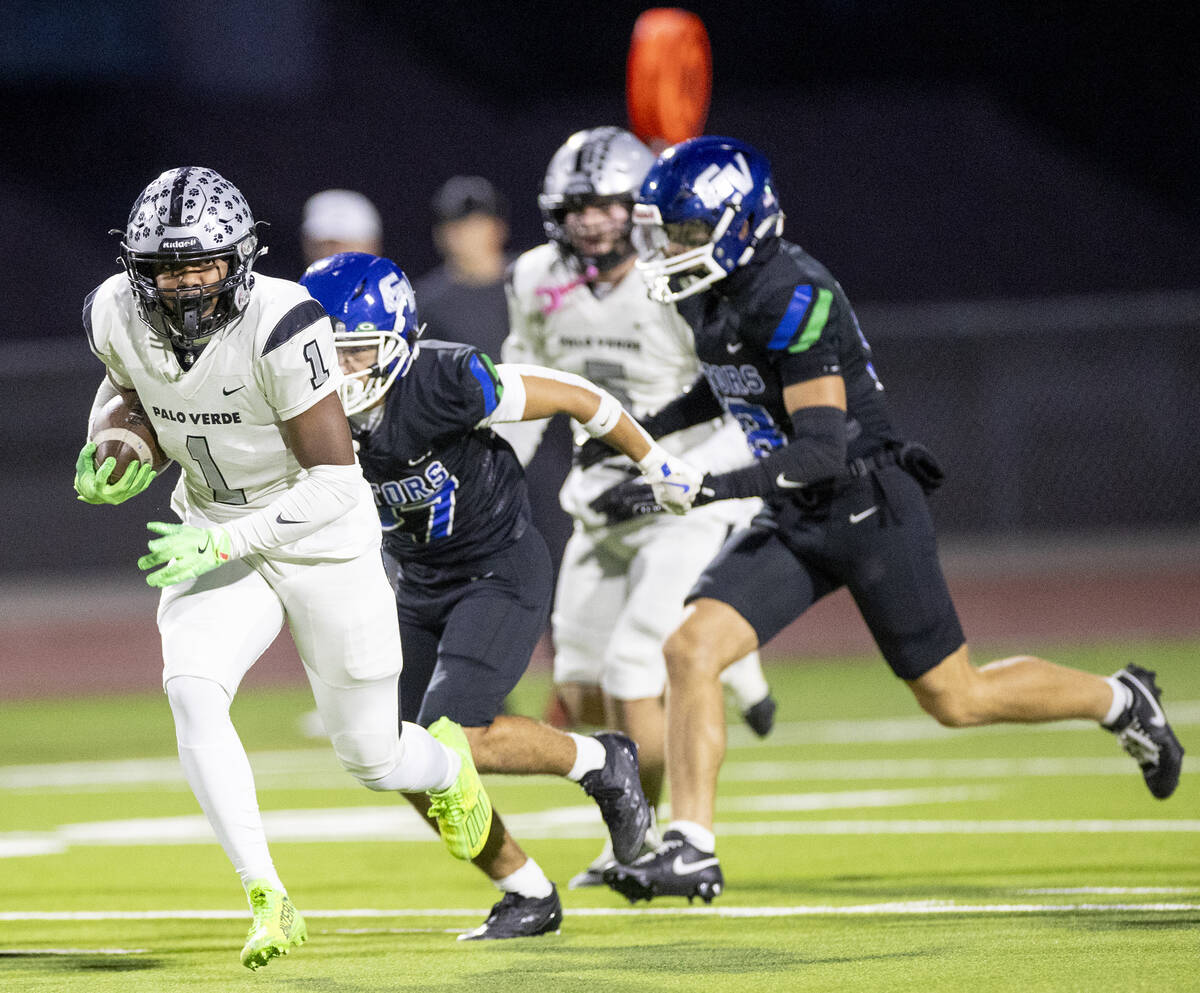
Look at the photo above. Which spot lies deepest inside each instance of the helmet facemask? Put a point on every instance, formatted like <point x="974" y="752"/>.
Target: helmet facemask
<point x="374" y="313"/>
<point x="676" y="260"/>
<point x="575" y="234"/>
<point x="189" y="315"/>
<point x="389" y="357"/>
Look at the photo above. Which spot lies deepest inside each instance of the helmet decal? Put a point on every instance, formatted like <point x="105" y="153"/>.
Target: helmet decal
<point x="719" y="183"/>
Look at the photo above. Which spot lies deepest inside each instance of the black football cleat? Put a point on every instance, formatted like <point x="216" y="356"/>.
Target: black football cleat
<point x="593" y="875"/>
<point x="617" y="791"/>
<point x="761" y="717"/>
<point x="677" y="868"/>
<point x="1143" y="732"/>
<point x="517" y="916"/>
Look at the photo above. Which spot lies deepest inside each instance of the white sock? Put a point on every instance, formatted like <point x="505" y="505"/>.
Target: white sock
<point x="746" y="681"/>
<point x="529" y="880"/>
<point x="219" y="774"/>
<point x="696" y="834"/>
<point x="425" y="764"/>
<point x="1122" y="698"/>
<point x="589" y="755"/>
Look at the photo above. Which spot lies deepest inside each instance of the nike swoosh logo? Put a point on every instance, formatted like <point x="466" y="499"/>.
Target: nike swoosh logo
<point x="420" y="458"/>
<point x="863" y="515"/>
<point x="229" y="392"/>
<point x="733" y="347"/>
<point x="280" y="519"/>
<point x="1159" y="719"/>
<point x="682" y="868"/>
<point x="787" y="484"/>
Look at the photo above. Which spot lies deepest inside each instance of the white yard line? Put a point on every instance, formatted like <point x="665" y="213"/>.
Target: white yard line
<point x="38" y="952"/>
<point x="296" y="768"/>
<point x="399" y="824"/>
<point x="919" y="727"/>
<point x="940" y="769"/>
<point x="1105" y="890"/>
<point x="811" y="910"/>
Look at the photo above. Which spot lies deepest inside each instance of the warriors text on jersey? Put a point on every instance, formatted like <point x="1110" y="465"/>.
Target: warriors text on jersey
<point x="448" y="493"/>
<point x="639" y="350"/>
<point x="220" y="419"/>
<point x="780" y="321"/>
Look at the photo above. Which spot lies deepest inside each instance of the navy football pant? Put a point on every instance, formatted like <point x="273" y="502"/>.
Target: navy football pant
<point x="873" y="536"/>
<point x="466" y="642"/>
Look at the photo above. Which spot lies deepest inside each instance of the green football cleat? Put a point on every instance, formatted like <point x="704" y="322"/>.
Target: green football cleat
<point x="277" y="926"/>
<point x="463" y="810"/>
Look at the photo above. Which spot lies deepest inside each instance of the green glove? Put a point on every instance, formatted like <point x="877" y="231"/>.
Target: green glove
<point x="93" y="485"/>
<point x="187" y="551"/>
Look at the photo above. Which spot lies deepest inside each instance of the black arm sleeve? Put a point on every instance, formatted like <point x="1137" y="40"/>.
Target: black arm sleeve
<point x="696" y="406"/>
<point x="819" y="452"/>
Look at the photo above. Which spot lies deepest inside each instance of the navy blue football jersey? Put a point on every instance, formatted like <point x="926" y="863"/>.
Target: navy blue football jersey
<point x="781" y="320"/>
<point x="448" y="493"/>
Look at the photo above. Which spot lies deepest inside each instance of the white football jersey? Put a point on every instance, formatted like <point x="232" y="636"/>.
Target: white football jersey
<point x="640" y="350"/>
<point x="221" y="419"/>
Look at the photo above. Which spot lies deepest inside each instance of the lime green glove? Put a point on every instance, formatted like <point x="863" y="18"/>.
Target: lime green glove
<point x="93" y="484"/>
<point x="187" y="551"/>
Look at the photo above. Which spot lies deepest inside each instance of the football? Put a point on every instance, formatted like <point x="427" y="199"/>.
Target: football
<point x="123" y="432"/>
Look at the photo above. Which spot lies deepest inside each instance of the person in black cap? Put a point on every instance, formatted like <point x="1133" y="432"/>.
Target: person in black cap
<point x="463" y="299"/>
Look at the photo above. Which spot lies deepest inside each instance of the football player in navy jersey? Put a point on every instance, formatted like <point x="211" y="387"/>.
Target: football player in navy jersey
<point x="472" y="575"/>
<point x="781" y="350"/>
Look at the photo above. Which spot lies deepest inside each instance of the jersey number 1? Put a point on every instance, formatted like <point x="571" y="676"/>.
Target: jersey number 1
<point x="197" y="446"/>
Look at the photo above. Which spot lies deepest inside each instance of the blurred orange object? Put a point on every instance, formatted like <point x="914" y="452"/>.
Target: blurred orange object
<point x="668" y="78"/>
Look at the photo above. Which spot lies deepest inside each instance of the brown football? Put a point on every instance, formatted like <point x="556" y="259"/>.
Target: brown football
<point x="123" y="432"/>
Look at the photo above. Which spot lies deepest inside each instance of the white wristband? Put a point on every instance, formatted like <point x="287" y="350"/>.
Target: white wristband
<point x="606" y="417"/>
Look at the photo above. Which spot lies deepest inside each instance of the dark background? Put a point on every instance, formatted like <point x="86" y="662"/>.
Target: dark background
<point x="1008" y="192"/>
<point x="924" y="150"/>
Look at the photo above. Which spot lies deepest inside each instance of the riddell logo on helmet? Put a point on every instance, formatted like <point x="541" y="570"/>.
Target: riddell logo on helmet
<point x="179" y="244"/>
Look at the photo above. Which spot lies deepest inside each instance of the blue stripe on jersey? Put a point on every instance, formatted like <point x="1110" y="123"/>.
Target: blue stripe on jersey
<point x="792" y="317"/>
<point x="490" y="399"/>
<point x="301" y="316"/>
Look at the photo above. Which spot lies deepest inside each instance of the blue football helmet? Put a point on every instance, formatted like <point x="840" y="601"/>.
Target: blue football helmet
<point x="372" y="305"/>
<point x="704" y="208"/>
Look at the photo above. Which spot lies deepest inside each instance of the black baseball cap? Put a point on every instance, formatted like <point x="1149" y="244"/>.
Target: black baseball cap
<point x="463" y="195"/>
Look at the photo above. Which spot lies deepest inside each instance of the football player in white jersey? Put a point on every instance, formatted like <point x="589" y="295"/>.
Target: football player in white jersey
<point x="575" y="304"/>
<point x="238" y="375"/>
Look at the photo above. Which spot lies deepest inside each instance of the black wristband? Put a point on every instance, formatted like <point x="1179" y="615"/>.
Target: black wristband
<point x="749" y="481"/>
<point x="818" y="453"/>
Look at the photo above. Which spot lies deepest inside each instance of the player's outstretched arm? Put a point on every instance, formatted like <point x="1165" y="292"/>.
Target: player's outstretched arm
<point x="534" y="392"/>
<point x="695" y="406"/>
<point x="817" y="452"/>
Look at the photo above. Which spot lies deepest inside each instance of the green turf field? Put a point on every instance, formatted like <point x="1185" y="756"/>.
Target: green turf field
<point x="864" y="849"/>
